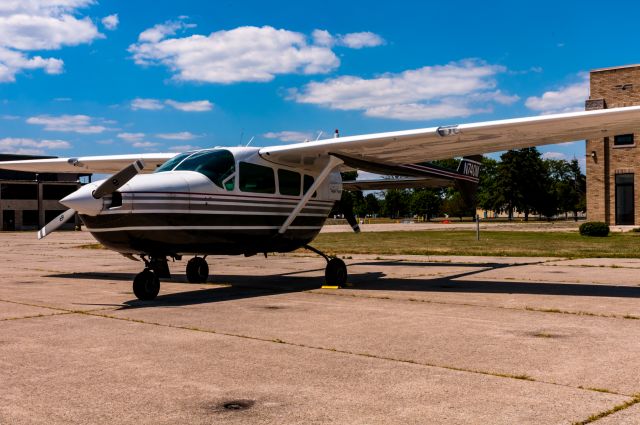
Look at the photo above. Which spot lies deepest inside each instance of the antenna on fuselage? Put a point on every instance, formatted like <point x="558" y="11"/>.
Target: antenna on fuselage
<point x="241" y="136"/>
<point x="251" y="140"/>
<point x="319" y="134"/>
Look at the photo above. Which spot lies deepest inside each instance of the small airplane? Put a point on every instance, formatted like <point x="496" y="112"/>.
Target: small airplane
<point x="247" y="201"/>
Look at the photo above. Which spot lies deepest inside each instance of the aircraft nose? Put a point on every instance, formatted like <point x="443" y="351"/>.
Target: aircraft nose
<point x="82" y="201"/>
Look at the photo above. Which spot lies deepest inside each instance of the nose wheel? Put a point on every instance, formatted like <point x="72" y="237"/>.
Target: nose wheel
<point x="335" y="274"/>
<point x="197" y="270"/>
<point x="146" y="285"/>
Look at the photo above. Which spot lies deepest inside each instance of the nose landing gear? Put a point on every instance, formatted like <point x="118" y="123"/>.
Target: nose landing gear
<point x="197" y="270"/>
<point x="335" y="274"/>
<point x="146" y="285"/>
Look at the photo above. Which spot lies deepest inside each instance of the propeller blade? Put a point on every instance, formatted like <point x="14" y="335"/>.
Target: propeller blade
<point x="346" y="208"/>
<point x="118" y="180"/>
<point x="54" y="224"/>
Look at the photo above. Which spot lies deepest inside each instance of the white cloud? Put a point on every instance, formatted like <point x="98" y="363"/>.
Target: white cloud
<point x="28" y="25"/>
<point x="144" y="144"/>
<point x="182" y="135"/>
<point x="83" y="124"/>
<point x="554" y="155"/>
<point x="131" y="137"/>
<point x="184" y="148"/>
<point x="194" y="106"/>
<point x="111" y="22"/>
<point x="160" y="31"/>
<point x="13" y="62"/>
<point x="136" y="140"/>
<point x="322" y="38"/>
<point x="148" y="104"/>
<point x="358" y="40"/>
<point x="156" y="104"/>
<point x="246" y="53"/>
<point x="289" y="136"/>
<point x="354" y="40"/>
<point x="458" y="89"/>
<point x="25" y="146"/>
<point x="569" y="98"/>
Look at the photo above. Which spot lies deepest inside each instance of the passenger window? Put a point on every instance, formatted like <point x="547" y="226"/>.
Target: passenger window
<point x="289" y="182"/>
<point x="308" y="182"/>
<point x="256" y="178"/>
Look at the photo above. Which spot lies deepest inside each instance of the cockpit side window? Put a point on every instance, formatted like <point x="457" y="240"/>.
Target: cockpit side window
<point x="217" y="165"/>
<point x="171" y="163"/>
<point x="257" y="178"/>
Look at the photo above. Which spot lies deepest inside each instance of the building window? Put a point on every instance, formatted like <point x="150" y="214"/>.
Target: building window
<point x="623" y="140"/>
<point x="30" y="218"/>
<point x="624" y="199"/>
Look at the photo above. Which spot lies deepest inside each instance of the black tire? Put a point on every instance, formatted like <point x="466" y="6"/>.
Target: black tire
<point x="336" y="273"/>
<point x="146" y="285"/>
<point x="197" y="270"/>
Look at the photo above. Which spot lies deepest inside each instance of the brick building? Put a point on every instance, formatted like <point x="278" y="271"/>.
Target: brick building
<point x="613" y="162"/>
<point x="28" y="200"/>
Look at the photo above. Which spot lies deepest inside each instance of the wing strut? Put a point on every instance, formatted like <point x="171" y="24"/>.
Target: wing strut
<point x="333" y="163"/>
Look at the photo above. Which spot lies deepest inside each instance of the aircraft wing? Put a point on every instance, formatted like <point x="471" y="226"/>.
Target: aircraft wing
<point x="397" y="183"/>
<point x="107" y="164"/>
<point x="427" y="144"/>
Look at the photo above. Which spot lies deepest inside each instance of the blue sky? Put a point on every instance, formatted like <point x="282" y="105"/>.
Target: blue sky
<point x="83" y="77"/>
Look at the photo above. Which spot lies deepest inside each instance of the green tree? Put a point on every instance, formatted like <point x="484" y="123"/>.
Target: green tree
<point x="568" y="185"/>
<point x="426" y="202"/>
<point x="396" y="203"/>
<point x="488" y="191"/>
<point x="522" y="183"/>
<point x="372" y="204"/>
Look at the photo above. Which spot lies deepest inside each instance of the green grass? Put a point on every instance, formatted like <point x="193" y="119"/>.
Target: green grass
<point x="496" y="243"/>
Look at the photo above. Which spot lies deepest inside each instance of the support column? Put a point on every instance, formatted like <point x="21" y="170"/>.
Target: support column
<point x="41" y="217"/>
<point x="1" y="209"/>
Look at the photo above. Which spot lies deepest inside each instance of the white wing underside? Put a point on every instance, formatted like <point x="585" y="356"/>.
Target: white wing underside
<point x="399" y="147"/>
<point x="108" y="164"/>
<point x="413" y="146"/>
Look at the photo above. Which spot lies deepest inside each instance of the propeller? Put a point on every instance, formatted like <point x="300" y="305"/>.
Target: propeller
<point x="84" y="202"/>
<point x="346" y="208"/>
<point x="118" y="180"/>
<point x="54" y="224"/>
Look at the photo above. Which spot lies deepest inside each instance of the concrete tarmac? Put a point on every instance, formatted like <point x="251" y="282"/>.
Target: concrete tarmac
<point x="411" y="340"/>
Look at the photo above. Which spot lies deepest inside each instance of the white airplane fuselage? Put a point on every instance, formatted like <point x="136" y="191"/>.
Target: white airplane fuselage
<point x="178" y="210"/>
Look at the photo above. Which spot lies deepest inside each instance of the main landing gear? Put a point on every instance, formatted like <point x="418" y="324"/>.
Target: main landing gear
<point x="197" y="270"/>
<point x="146" y="284"/>
<point x="335" y="274"/>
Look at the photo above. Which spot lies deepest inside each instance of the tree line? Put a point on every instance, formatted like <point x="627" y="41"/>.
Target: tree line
<point x="521" y="181"/>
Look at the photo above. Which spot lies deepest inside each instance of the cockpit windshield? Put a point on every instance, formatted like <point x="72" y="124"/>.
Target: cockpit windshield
<point x="218" y="165"/>
<point x="171" y="163"/>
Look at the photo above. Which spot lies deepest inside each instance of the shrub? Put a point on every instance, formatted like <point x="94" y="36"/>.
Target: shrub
<point x="594" y="228"/>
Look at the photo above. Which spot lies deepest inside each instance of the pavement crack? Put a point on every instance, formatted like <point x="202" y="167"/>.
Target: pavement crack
<point x="525" y="308"/>
<point x="618" y="407"/>
<point x="34" y="316"/>
<point x="521" y="377"/>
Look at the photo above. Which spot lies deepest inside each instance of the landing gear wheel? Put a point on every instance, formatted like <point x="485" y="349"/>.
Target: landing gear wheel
<point x="146" y="285"/>
<point x="197" y="270"/>
<point x="336" y="273"/>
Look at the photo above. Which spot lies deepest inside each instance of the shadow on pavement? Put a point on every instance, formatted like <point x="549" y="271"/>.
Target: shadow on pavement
<point x="241" y="286"/>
